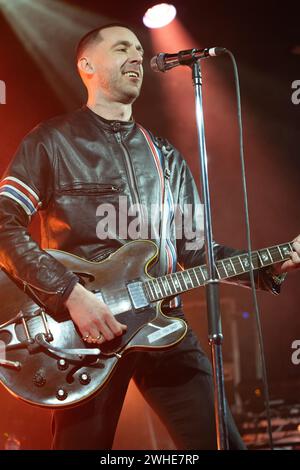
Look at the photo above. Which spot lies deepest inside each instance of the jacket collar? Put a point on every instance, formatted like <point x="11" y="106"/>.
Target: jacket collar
<point x="112" y="125"/>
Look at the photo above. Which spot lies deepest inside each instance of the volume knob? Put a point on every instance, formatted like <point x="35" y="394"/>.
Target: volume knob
<point x="39" y="378"/>
<point x="84" y="378"/>
<point x="62" y="364"/>
<point x="61" y="394"/>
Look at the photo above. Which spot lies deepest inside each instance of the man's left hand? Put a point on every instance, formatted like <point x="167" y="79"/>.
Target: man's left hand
<point x="290" y="264"/>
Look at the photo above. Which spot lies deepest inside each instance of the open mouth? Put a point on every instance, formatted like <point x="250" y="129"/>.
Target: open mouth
<point x="132" y="74"/>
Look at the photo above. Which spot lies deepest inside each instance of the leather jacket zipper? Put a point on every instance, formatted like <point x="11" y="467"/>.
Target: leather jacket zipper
<point x="104" y="189"/>
<point x="131" y="176"/>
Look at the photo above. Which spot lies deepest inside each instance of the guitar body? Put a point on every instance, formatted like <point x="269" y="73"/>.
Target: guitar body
<point x="47" y="363"/>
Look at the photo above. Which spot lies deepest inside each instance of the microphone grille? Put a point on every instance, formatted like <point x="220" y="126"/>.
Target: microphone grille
<point x="157" y="63"/>
<point x="153" y="64"/>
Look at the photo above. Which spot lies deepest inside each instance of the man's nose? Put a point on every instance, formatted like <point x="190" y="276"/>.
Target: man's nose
<point x="136" y="57"/>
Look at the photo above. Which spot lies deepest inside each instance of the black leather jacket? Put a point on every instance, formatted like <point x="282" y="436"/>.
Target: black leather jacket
<point x="66" y="168"/>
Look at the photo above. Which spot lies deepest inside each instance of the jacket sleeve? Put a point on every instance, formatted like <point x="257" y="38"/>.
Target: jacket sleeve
<point x="26" y="188"/>
<point x="190" y="247"/>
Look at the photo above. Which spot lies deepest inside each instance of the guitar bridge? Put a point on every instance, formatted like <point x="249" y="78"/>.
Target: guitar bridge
<point x="137" y="295"/>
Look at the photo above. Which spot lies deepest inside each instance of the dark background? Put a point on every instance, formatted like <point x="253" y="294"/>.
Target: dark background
<point x="41" y="81"/>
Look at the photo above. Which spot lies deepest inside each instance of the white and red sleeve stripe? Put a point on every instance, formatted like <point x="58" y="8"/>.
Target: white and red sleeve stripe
<point x="20" y="192"/>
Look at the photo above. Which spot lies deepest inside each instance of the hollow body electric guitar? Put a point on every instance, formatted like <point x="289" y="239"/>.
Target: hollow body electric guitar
<point x="45" y="362"/>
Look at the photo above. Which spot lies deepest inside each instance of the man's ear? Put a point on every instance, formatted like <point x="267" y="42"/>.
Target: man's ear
<point x="85" y="66"/>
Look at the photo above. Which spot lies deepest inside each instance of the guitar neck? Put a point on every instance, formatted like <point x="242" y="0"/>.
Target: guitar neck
<point x="188" y="279"/>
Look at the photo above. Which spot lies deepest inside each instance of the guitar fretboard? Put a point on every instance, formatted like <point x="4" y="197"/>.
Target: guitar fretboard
<point x="182" y="281"/>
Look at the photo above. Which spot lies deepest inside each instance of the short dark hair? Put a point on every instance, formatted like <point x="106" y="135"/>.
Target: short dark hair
<point x="94" y="36"/>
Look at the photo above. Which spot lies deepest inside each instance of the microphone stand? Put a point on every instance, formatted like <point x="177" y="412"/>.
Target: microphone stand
<point x="212" y="288"/>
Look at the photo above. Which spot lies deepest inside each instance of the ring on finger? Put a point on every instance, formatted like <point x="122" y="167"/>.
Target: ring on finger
<point x="97" y="339"/>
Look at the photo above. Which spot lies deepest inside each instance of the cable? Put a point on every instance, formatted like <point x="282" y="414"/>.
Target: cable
<point x="256" y="308"/>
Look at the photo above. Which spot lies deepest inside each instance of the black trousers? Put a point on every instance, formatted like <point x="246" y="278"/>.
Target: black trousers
<point x="177" y="384"/>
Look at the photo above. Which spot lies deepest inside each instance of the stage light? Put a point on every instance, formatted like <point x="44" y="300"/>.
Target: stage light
<point x="159" y="15"/>
<point x="51" y="42"/>
<point x="245" y="315"/>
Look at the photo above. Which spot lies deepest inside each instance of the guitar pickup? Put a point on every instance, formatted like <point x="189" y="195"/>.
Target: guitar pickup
<point x="137" y="295"/>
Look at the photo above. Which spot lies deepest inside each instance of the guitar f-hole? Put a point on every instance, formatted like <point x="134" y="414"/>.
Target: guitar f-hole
<point x="85" y="278"/>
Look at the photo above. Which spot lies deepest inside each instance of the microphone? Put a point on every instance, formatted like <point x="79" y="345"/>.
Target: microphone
<point x="163" y="62"/>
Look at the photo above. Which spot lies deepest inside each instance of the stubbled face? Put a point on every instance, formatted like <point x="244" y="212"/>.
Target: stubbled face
<point x="117" y="63"/>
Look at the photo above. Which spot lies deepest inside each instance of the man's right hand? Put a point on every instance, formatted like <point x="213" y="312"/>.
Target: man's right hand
<point x="93" y="318"/>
